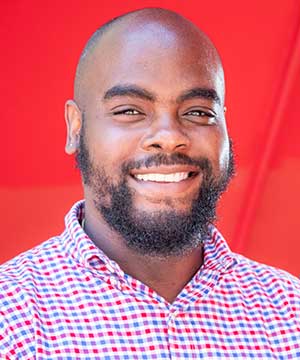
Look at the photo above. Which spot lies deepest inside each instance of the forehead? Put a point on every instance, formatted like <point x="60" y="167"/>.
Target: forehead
<point x="164" y="57"/>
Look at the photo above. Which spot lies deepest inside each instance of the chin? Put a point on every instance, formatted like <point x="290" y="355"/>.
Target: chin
<point x="166" y="205"/>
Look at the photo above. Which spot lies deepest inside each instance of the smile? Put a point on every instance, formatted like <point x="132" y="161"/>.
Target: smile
<point x="169" y="178"/>
<point x="166" y="181"/>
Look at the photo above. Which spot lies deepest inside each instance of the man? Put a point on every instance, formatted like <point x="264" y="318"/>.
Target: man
<point x="140" y="271"/>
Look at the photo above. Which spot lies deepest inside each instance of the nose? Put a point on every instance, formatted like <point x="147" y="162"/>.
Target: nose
<point x="166" y="134"/>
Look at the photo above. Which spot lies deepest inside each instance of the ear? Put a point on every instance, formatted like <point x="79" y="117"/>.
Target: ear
<point x="73" y="119"/>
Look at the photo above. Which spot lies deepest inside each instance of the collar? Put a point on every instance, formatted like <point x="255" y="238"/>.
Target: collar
<point x="217" y="255"/>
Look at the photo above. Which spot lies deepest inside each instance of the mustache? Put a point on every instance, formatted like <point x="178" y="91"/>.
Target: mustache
<point x="202" y="163"/>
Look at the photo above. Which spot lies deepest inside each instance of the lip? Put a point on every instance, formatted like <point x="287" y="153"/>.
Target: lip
<point x="160" y="190"/>
<point x="165" y="170"/>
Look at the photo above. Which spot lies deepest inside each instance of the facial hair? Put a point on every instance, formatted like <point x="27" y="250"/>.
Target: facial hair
<point x="160" y="233"/>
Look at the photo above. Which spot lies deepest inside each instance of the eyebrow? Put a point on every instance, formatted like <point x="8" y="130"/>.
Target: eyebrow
<point x="138" y="92"/>
<point x="129" y="90"/>
<point x="203" y="93"/>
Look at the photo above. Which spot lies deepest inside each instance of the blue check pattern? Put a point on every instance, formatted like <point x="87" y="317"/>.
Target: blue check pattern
<point x="64" y="299"/>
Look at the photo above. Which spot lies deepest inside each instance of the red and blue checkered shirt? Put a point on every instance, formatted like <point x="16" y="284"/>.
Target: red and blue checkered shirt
<point x="65" y="299"/>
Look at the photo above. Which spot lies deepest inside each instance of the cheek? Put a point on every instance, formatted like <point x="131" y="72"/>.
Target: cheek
<point x="223" y="146"/>
<point x="224" y="154"/>
<point x="111" y="147"/>
<point x="213" y="143"/>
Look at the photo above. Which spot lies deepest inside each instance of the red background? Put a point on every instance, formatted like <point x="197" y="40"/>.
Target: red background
<point x="260" y="45"/>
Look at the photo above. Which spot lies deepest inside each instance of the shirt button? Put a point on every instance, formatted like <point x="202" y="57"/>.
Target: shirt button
<point x="115" y="282"/>
<point x="173" y="315"/>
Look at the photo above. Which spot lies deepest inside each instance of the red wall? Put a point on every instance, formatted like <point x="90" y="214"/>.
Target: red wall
<point x="260" y="45"/>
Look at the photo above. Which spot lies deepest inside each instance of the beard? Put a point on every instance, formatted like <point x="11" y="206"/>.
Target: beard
<point x="160" y="233"/>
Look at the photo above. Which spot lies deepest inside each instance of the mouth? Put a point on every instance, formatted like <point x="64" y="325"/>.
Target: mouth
<point x="166" y="181"/>
<point x="173" y="177"/>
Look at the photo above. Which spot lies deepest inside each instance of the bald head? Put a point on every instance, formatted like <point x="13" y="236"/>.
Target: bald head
<point x="160" y="28"/>
<point x="149" y="93"/>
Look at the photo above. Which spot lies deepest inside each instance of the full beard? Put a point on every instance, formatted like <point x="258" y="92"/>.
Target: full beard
<point x="160" y="233"/>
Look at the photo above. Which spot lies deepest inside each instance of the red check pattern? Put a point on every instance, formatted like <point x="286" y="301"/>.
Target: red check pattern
<point x="66" y="300"/>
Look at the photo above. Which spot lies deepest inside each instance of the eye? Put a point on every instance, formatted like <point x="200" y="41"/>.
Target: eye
<point x="201" y="116"/>
<point x="127" y="112"/>
<point x="200" y="113"/>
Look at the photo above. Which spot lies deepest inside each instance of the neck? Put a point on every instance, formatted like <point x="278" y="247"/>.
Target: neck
<point x="166" y="276"/>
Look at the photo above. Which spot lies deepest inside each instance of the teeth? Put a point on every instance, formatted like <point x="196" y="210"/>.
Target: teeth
<point x="175" y="177"/>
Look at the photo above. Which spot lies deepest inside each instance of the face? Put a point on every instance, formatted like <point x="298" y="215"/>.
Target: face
<point x="154" y="151"/>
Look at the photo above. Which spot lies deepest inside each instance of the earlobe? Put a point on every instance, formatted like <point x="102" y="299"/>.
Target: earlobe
<point x="73" y="119"/>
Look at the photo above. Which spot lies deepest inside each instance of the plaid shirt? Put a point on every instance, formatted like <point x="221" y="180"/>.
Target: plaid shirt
<point x="66" y="300"/>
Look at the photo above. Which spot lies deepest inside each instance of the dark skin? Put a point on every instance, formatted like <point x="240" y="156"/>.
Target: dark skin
<point x="158" y="106"/>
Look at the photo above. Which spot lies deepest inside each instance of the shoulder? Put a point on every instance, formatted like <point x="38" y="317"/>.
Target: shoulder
<point x="21" y="276"/>
<point x="30" y="262"/>
<point x="24" y="270"/>
<point x="265" y="273"/>
<point x="248" y="275"/>
<point x="262" y="280"/>
<point x="19" y="279"/>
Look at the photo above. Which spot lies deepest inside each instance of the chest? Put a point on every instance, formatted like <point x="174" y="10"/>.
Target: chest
<point x="114" y="327"/>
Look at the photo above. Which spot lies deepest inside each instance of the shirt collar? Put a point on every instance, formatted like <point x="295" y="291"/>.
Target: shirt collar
<point x="81" y="247"/>
<point x="217" y="255"/>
